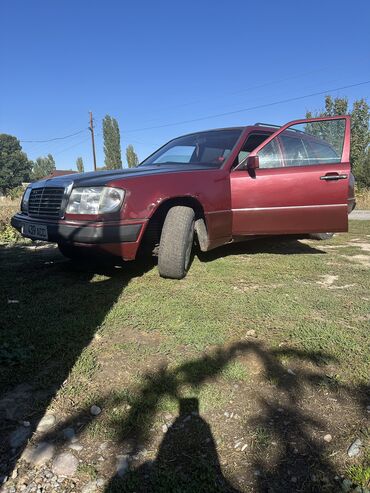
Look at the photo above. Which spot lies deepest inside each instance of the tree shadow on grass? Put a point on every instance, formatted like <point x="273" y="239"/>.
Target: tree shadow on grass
<point x="187" y="459"/>
<point x="51" y="310"/>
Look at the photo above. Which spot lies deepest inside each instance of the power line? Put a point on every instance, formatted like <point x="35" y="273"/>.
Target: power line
<point x="246" y="89"/>
<point x="72" y="146"/>
<point x="55" y="138"/>
<point x="274" y="103"/>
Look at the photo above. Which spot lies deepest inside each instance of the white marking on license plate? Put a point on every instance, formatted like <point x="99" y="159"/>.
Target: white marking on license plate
<point x="37" y="231"/>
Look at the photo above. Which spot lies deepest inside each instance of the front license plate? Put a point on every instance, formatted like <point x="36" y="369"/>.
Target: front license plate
<point x="37" y="231"/>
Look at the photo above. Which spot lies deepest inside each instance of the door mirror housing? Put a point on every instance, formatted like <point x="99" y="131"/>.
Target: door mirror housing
<point x="253" y="162"/>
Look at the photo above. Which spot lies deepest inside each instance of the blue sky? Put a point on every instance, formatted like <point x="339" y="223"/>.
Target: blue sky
<point x="151" y="64"/>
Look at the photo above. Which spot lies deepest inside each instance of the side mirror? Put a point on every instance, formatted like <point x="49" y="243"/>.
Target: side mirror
<point x="253" y="162"/>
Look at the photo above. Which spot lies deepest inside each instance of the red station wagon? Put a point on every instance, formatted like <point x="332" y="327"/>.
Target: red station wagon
<point x="217" y="187"/>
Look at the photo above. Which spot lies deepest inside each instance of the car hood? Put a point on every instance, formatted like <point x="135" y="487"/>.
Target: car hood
<point x="101" y="178"/>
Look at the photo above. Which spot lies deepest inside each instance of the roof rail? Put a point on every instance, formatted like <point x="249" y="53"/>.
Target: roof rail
<point x="260" y="124"/>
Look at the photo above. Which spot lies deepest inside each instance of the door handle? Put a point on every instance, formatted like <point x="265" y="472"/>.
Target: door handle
<point x="333" y="176"/>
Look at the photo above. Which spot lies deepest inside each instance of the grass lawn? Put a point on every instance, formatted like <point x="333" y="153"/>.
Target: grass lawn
<point x="228" y="380"/>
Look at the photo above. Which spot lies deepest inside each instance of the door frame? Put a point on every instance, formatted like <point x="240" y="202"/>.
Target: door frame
<point x="346" y="138"/>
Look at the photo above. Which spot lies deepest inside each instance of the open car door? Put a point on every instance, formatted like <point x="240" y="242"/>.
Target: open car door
<point x="296" y="181"/>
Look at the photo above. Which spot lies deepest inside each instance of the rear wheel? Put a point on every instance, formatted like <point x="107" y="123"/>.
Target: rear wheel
<point x="176" y="242"/>
<point x="321" y="236"/>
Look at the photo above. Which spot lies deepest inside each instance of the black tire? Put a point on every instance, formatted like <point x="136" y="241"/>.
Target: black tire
<point x="176" y="242"/>
<point x="321" y="236"/>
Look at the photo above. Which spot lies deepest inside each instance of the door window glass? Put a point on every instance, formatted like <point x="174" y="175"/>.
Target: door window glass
<point x="270" y="156"/>
<point x="306" y="144"/>
<point x="322" y="153"/>
<point x="295" y="153"/>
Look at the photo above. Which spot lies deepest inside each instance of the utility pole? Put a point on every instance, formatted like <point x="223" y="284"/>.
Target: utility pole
<point x="91" y="128"/>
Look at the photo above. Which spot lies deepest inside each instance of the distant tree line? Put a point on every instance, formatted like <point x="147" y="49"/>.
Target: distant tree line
<point x="42" y="166"/>
<point x="80" y="165"/>
<point x="112" y="146"/>
<point x="16" y="168"/>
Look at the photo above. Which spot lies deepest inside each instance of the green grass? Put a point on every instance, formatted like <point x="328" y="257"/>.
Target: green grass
<point x="261" y="438"/>
<point x="138" y="344"/>
<point x="88" y="470"/>
<point x="236" y="371"/>
<point x="271" y="288"/>
<point x="359" y="475"/>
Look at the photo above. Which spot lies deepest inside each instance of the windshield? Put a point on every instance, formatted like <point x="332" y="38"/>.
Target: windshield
<point x="206" y="148"/>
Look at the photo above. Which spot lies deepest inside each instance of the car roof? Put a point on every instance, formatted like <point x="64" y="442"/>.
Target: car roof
<point x="264" y="127"/>
<point x="272" y="128"/>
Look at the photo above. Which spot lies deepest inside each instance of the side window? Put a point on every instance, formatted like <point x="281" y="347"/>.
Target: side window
<point x="306" y="144"/>
<point x="323" y="152"/>
<point x="294" y="150"/>
<point x="253" y="140"/>
<point x="270" y="156"/>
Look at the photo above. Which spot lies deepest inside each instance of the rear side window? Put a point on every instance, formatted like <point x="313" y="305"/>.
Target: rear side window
<point x="322" y="153"/>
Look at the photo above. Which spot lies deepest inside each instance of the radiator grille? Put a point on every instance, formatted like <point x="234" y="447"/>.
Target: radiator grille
<point x="45" y="202"/>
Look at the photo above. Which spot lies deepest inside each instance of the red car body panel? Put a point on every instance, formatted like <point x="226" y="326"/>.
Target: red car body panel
<point x="290" y="200"/>
<point x="211" y="188"/>
<point x="293" y="199"/>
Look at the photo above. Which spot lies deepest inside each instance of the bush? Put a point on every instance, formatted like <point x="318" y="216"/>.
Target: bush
<point x="15" y="193"/>
<point x="7" y="233"/>
<point x="362" y="198"/>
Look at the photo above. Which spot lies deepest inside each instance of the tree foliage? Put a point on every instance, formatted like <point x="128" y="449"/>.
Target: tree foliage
<point x="112" y="143"/>
<point x="80" y="165"/>
<point x="15" y="167"/>
<point x="43" y="166"/>
<point x="131" y="157"/>
<point x="360" y="133"/>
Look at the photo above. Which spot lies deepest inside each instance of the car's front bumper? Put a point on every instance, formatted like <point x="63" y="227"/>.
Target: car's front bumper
<point x="91" y="233"/>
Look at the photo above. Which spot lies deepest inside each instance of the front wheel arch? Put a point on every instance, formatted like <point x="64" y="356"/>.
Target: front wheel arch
<point x="153" y="230"/>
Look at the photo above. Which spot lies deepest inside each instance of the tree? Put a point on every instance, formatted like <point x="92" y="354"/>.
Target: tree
<point x="112" y="143"/>
<point x="80" y="165"/>
<point x="360" y="134"/>
<point x="43" y="166"/>
<point x="131" y="157"/>
<point x="15" y="167"/>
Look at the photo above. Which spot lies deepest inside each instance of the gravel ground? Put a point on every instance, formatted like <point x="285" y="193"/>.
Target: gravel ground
<point x="360" y="215"/>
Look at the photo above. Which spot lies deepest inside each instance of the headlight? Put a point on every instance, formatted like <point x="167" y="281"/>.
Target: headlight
<point x="95" y="200"/>
<point x="25" y="199"/>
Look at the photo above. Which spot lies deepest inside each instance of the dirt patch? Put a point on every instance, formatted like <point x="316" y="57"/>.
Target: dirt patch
<point x="363" y="260"/>
<point x="364" y="246"/>
<point x="327" y="280"/>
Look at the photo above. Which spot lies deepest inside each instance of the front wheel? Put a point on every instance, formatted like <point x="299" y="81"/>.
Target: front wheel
<point x="176" y="242"/>
<point x="321" y="236"/>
